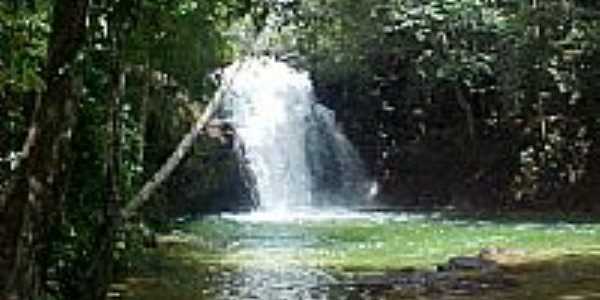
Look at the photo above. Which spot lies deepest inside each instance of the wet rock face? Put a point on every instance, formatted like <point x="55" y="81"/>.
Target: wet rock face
<point x="221" y="130"/>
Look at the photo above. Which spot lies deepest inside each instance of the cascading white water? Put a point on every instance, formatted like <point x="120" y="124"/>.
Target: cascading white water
<point x="298" y="157"/>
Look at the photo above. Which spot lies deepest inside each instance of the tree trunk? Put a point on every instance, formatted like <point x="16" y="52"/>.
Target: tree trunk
<point x="147" y="86"/>
<point x="100" y="274"/>
<point x="466" y="107"/>
<point x="173" y="161"/>
<point x="35" y="200"/>
<point x="176" y="157"/>
<point x="113" y="169"/>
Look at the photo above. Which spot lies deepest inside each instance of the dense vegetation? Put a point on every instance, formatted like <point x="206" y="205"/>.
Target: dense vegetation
<point x="94" y="97"/>
<point x="486" y="104"/>
<point x="478" y="104"/>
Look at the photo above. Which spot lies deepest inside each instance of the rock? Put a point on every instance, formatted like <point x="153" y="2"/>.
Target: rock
<point x="440" y="276"/>
<point x="504" y="256"/>
<point x="495" y="251"/>
<point x="454" y="278"/>
<point x="466" y="263"/>
<point x="113" y="295"/>
<point x="466" y="287"/>
<point x="442" y="268"/>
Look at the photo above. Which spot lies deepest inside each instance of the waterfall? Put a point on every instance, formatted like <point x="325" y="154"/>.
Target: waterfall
<point x="291" y="144"/>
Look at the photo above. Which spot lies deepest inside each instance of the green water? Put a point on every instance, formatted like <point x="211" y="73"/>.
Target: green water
<point x="305" y="258"/>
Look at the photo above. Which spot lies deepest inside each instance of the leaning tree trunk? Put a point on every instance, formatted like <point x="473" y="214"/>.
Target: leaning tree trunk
<point x="34" y="202"/>
<point x="178" y="155"/>
<point x="172" y="162"/>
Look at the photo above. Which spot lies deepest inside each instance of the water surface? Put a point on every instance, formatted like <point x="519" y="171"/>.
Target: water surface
<point x="313" y="255"/>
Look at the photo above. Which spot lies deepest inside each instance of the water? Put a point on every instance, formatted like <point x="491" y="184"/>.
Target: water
<point x="236" y="257"/>
<point x="298" y="157"/>
<point x="294" y="248"/>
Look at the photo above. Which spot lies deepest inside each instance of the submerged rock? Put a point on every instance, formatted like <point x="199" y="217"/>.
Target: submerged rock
<point x="466" y="263"/>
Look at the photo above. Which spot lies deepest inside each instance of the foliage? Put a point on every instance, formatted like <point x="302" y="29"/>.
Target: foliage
<point x="145" y="62"/>
<point x="444" y="82"/>
<point x="470" y="103"/>
<point x="22" y="54"/>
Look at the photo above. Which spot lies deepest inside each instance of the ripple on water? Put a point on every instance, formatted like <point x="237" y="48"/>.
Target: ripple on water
<point x="274" y="284"/>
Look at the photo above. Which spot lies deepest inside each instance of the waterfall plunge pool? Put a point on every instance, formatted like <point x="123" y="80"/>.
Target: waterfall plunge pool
<point x="253" y="256"/>
<point x="294" y="156"/>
